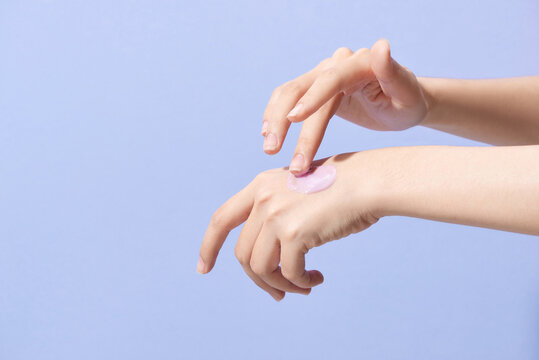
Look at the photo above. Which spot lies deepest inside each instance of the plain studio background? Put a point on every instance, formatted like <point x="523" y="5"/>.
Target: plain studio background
<point x="125" y="124"/>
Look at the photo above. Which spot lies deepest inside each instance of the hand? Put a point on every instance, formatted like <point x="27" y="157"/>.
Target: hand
<point x="367" y="87"/>
<point x="281" y="226"/>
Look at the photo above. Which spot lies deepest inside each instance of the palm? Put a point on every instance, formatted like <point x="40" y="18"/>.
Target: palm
<point x="371" y="108"/>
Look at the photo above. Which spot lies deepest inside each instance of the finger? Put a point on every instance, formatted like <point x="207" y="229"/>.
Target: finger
<point x="396" y="81"/>
<point x="343" y="75"/>
<point x="230" y="215"/>
<point x="244" y="249"/>
<point x="278" y="295"/>
<point x="293" y="266"/>
<point x="311" y="135"/>
<point x="265" y="263"/>
<point x="275" y="124"/>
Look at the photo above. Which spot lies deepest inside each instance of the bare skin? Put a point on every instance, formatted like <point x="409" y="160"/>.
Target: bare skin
<point x="494" y="187"/>
<point x="369" y="88"/>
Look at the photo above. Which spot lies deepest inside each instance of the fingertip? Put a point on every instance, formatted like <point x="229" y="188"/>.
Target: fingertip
<point x="306" y="292"/>
<point x="382" y="44"/>
<point x="316" y="277"/>
<point x="297" y="165"/>
<point x="381" y="50"/>
<point x="295" y="115"/>
<point x="278" y="296"/>
<point x="271" y="144"/>
<point x="202" y="268"/>
<point x="382" y="64"/>
<point x="294" y="119"/>
<point x="299" y="173"/>
<point x="388" y="47"/>
<point x="271" y="151"/>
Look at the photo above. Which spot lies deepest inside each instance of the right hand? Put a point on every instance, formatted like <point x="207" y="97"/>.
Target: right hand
<point x="367" y="87"/>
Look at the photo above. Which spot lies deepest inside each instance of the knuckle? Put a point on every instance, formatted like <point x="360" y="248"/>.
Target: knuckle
<point x="342" y="51"/>
<point x="407" y="71"/>
<point x="329" y="75"/>
<point x="363" y="51"/>
<point x="277" y="91"/>
<point x="312" y="242"/>
<point x="287" y="274"/>
<point x="273" y="213"/>
<point x="261" y="175"/>
<point x="217" y="220"/>
<point x="290" y="233"/>
<point x="258" y="268"/>
<point x="292" y="88"/>
<point x="242" y="256"/>
<point x="261" y="180"/>
<point x="324" y="64"/>
<point x="264" y="195"/>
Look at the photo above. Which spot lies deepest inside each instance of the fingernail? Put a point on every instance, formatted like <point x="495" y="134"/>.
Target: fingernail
<point x="296" y="110"/>
<point x="264" y="127"/>
<point x="270" y="142"/>
<point x="201" y="267"/>
<point x="298" y="161"/>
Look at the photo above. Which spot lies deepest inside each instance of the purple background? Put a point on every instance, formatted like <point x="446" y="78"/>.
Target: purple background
<point x="125" y="124"/>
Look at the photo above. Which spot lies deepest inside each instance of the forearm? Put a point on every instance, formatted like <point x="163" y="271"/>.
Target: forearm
<point x="493" y="187"/>
<point x="494" y="111"/>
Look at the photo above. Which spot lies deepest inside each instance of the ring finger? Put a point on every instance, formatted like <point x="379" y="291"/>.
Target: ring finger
<point x="244" y="249"/>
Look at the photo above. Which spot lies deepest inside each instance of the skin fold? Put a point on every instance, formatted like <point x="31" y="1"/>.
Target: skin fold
<point x="493" y="187"/>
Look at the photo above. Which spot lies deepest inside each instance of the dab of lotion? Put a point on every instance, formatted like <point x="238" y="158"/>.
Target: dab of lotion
<point x="318" y="178"/>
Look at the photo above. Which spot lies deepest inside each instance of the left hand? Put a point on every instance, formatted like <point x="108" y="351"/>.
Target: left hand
<point x="281" y="225"/>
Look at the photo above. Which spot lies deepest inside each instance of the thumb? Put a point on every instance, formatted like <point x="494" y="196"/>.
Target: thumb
<point x="396" y="81"/>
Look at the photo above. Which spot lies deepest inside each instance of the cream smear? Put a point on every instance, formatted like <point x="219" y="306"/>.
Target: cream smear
<point x="318" y="178"/>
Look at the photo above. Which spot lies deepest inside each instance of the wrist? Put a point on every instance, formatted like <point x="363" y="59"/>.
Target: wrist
<point x="388" y="181"/>
<point x="368" y="179"/>
<point x="430" y="87"/>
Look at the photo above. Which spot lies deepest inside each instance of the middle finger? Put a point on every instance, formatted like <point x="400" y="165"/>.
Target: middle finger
<point x="244" y="249"/>
<point x="283" y="98"/>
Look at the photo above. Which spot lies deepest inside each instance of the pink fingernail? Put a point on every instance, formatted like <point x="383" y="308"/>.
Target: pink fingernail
<point x="270" y="142"/>
<point x="264" y="127"/>
<point x="298" y="161"/>
<point x="201" y="267"/>
<point x="296" y="110"/>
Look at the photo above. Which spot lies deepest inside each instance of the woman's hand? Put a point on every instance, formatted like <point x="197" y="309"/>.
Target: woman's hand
<point x="281" y="225"/>
<point x="494" y="187"/>
<point x="367" y="87"/>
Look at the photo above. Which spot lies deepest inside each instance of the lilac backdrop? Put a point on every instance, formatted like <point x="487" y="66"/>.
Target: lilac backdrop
<point x="124" y="124"/>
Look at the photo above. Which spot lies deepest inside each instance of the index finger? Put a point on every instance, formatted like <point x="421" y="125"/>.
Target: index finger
<point x="310" y="137"/>
<point x="342" y="76"/>
<point x="275" y="124"/>
<point x="230" y="215"/>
